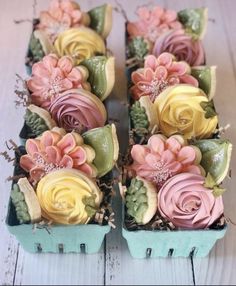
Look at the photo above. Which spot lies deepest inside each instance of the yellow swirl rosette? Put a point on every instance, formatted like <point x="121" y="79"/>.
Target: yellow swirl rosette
<point x="186" y="110"/>
<point x="67" y="196"/>
<point x="79" y="43"/>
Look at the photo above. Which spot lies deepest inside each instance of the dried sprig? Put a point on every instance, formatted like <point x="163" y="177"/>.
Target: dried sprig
<point x="119" y="9"/>
<point x="11" y="146"/>
<point x="22" y="92"/>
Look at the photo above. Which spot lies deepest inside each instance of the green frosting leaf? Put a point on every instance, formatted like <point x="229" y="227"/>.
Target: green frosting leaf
<point x="209" y="181"/>
<point x="35" y="123"/>
<point x="139" y="118"/>
<point x="101" y="140"/>
<point x="217" y="191"/>
<point x="203" y="77"/>
<point x="36" y="49"/>
<point x="216" y="156"/>
<point x="97" y="74"/>
<point x="97" y="18"/>
<point x="136" y="200"/>
<point x="18" y="201"/>
<point x="90" y="205"/>
<point x="138" y="48"/>
<point x="209" y="108"/>
<point x="194" y="21"/>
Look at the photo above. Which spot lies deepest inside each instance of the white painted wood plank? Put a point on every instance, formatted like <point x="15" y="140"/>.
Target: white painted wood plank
<point x="12" y="44"/>
<point x="121" y="268"/>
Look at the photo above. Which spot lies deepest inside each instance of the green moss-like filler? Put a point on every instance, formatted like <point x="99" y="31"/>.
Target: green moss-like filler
<point x="138" y="48"/>
<point x="101" y="140"/>
<point x="97" y="17"/>
<point x="90" y="205"/>
<point x="35" y="123"/>
<point x="139" y="118"/>
<point x="136" y="200"/>
<point x="18" y="201"/>
<point x="36" y="49"/>
<point x="203" y="77"/>
<point x="216" y="155"/>
<point x="97" y="74"/>
<point x="194" y="21"/>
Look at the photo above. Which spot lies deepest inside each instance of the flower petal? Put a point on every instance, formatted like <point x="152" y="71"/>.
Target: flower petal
<point x="65" y="64"/>
<point x="139" y="153"/>
<point x="156" y="144"/>
<point x="187" y="155"/>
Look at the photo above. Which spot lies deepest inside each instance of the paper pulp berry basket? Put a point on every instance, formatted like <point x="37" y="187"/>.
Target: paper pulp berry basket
<point x="57" y="238"/>
<point x="167" y="243"/>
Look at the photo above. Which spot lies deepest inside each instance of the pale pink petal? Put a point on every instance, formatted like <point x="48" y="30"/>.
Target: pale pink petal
<point x="53" y="154"/>
<point x="192" y="169"/>
<point x="78" y="155"/>
<point x="49" y="138"/>
<point x="187" y="155"/>
<point x="143" y="13"/>
<point x="65" y="64"/>
<point x="75" y="76"/>
<point x="178" y="68"/>
<point x="67" y="143"/>
<point x="170" y="16"/>
<point x="50" y="62"/>
<point x="165" y="59"/>
<point x="27" y="163"/>
<point x="139" y="153"/>
<point x="161" y="73"/>
<point x="87" y="169"/>
<point x="66" y="162"/>
<point x="173" y="145"/>
<point x="66" y="84"/>
<point x="174" y="167"/>
<point x="137" y="76"/>
<point x="156" y="144"/>
<point x="189" y="80"/>
<point x="32" y="146"/>
<point x="167" y="156"/>
<point x="151" y="62"/>
<point x="148" y="74"/>
<point x="37" y="173"/>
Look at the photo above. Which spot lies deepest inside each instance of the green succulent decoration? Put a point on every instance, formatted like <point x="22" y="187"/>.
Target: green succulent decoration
<point x="139" y="119"/>
<point x="35" y="123"/>
<point x="18" y="201"/>
<point x="36" y="49"/>
<point x="138" y="48"/>
<point x="136" y="200"/>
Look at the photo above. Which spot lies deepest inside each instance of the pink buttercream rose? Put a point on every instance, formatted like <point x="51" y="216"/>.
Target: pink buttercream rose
<point x="182" y="46"/>
<point x="158" y="74"/>
<point x="185" y="202"/>
<point x="78" y="110"/>
<point x="51" y="76"/>
<point x="163" y="158"/>
<point x="152" y="23"/>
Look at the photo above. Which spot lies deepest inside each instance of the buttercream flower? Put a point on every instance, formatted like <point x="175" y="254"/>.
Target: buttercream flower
<point x="68" y="197"/>
<point x="152" y="23"/>
<point x="182" y="46"/>
<point x="53" y="151"/>
<point x="61" y="15"/>
<point x="185" y="202"/>
<point x="79" y="43"/>
<point x="159" y="73"/>
<point x="51" y="76"/>
<point x="78" y="110"/>
<point x="163" y="158"/>
<point x="180" y="110"/>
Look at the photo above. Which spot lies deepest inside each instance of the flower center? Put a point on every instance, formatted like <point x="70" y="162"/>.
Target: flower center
<point x="47" y="167"/>
<point x="161" y="173"/>
<point x="154" y="88"/>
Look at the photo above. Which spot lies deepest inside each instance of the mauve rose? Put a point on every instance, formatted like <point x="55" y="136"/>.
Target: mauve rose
<point x="182" y="46"/>
<point x="185" y="202"/>
<point x="78" y="110"/>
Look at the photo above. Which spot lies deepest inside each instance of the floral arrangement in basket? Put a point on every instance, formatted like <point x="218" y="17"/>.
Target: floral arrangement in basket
<point x="177" y="160"/>
<point x="63" y="173"/>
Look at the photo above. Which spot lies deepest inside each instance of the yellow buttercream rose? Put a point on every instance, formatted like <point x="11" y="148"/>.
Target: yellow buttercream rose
<point x="67" y="196"/>
<point x="79" y="43"/>
<point x="181" y="110"/>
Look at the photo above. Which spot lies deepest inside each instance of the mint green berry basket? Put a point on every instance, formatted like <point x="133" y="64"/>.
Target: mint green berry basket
<point x="55" y="238"/>
<point x="180" y="243"/>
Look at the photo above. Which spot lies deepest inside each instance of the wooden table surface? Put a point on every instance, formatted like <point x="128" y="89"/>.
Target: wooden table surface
<point x="113" y="264"/>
